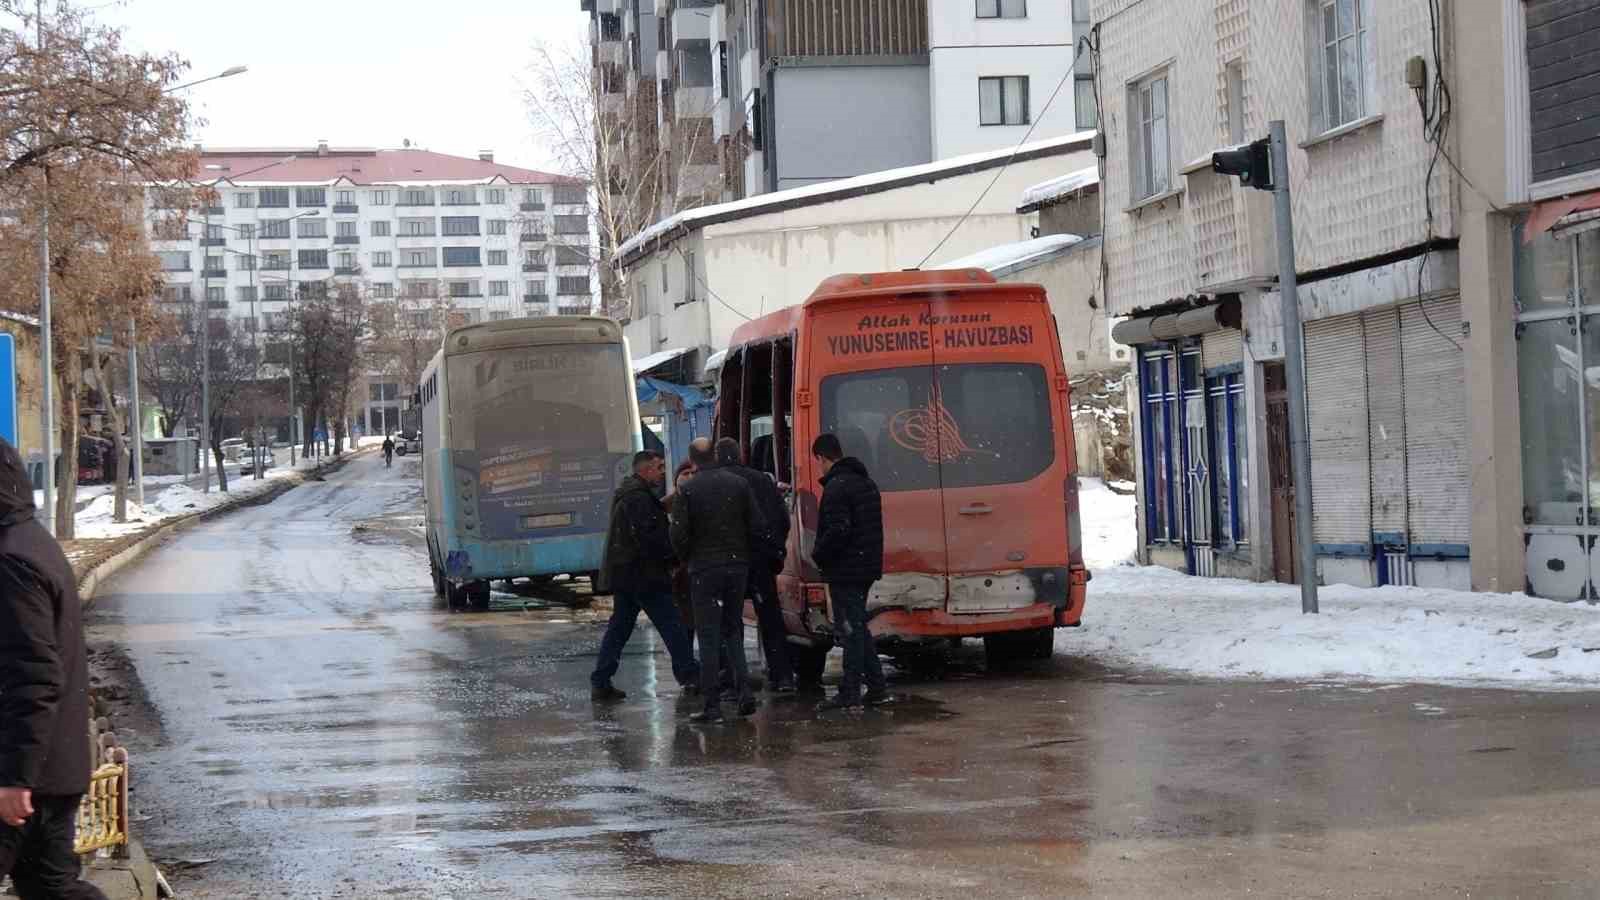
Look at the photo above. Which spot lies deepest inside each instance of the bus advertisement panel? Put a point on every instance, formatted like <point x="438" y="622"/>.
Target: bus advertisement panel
<point x="544" y="435"/>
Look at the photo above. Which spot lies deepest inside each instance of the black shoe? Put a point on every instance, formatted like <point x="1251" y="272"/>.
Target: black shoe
<point x="748" y="708"/>
<point x="784" y="688"/>
<point x="707" y="717"/>
<point x="878" y="698"/>
<point x="607" y="694"/>
<point x="838" y="701"/>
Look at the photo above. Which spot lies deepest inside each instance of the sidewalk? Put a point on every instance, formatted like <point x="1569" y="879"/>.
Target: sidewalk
<point x="1216" y="627"/>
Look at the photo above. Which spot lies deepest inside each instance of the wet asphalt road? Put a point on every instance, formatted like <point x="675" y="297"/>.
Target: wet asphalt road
<point x="327" y="730"/>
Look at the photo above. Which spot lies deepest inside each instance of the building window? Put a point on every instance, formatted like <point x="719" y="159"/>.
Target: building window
<point x="459" y="226"/>
<point x="1002" y="9"/>
<point x="246" y="294"/>
<point x="1338" y="70"/>
<point x="345" y="198"/>
<point x="216" y="295"/>
<point x="345" y="229"/>
<point x="463" y="288"/>
<point x="497" y="257"/>
<point x="572" y="224"/>
<point x="311" y="228"/>
<point x="275" y="259"/>
<point x="496" y="196"/>
<point x="176" y="293"/>
<point x="690" y="276"/>
<point x="572" y="284"/>
<point x="346" y="261"/>
<point x="1160" y="402"/>
<point x="1003" y="101"/>
<point x="1083" y="102"/>
<point x="461" y="256"/>
<point x="382" y="290"/>
<point x="244" y="262"/>
<point x="571" y="194"/>
<point x="461" y="197"/>
<point x="380" y="198"/>
<point x="310" y="197"/>
<point x="273" y="198"/>
<point x="246" y="231"/>
<point x="174" y="260"/>
<point x="416" y="197"/>
<point x="1230" y="477"/>
<point x="534" y="196"/>
<point x="498" y="316"/>
<point x="416" y="227"/>
<point x="275" y="292"/>
<point x="417" y="290"/>
<point x="497" y="226"/>
<point x="380" y="229"/>
<point x="382" y="259"/>
<point x="423" y="257"/>
<point x="313" y="259"/>
<point x="571" y="256"/>
<point x="499" y="288"/>
<point x="213" y="264"/>
<point x="275" y="228"/>
<point x="1151" y="165"/>
<point x="244" y="200"/>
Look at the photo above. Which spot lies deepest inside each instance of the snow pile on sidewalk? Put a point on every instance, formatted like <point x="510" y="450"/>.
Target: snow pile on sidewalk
<point x="1154" y="617"/>
<point x="174" y="500"/>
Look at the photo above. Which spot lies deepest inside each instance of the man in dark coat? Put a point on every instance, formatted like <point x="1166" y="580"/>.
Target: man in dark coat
<point x="765" y="564"/>
<point x="638" y="560"/>
<point x="44" y="700"/>
<point x="715" y="524"/>
<point x="849" y="553"/>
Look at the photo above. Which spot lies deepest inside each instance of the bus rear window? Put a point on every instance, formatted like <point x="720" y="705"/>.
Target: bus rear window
<point x="984" y="424"/>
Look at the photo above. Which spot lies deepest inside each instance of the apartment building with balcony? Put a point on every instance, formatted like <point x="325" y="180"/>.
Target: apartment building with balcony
<point x="493" y="241"/>
<point x="757" y="96"/>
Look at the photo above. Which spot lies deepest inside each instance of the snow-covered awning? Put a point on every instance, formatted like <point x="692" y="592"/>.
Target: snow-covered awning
<point x="714" y="361"/>
<point x="1047" y="192"/>
<point x="1008" y="258"/>
<point x="646" y="364"/>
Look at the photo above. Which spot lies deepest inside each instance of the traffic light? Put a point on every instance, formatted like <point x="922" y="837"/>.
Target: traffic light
<point x="1251" y="163"/>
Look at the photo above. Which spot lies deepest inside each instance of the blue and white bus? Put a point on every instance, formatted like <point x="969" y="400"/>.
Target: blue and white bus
<point x="528" y="425"/>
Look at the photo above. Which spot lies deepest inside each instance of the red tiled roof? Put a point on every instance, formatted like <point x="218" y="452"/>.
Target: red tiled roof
<point x="360" y="167"/>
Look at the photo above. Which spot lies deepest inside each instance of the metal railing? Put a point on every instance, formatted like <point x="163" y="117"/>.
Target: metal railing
<point x="103" y="815"/>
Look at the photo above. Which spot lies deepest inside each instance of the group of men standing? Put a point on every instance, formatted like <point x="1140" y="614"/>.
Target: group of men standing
<point x="724" y="531"/>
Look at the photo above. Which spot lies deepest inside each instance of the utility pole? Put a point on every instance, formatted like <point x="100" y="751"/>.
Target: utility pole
<point x="135" y="425"/>
<point x="1264" y="165"/>
<point x="204" y="343"/>
<point x="47" y="377"/>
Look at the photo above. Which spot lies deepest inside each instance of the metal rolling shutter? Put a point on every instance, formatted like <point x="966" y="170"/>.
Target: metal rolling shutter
<point x="1439" y="497"/>
<point x="1386" y="418"/>
<point x="1221" y="348"/>
<point x="1336" y="377"/>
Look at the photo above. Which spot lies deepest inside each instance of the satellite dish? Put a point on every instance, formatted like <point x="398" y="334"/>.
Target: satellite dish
<point x="406" y="143"/>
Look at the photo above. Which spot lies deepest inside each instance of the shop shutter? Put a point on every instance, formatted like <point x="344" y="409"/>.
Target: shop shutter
<point x="1439" y="497"/>
<point x="1221" y="348"/>
<point x="1336" y="401"/>
<point x="1386" y="419"/>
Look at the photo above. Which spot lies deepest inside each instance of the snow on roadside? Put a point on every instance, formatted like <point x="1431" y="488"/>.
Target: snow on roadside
<point x="177" y="499"/>
<point x="1216" y="627"/>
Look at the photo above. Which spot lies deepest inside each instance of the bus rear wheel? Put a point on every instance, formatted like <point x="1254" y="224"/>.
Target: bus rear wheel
<point x="455" y="595"/>
<point x="478" y="594"/>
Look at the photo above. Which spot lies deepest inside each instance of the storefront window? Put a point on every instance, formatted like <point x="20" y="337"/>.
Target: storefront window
<point x="1544" y="274"/>
<point x="1552" y="462"/>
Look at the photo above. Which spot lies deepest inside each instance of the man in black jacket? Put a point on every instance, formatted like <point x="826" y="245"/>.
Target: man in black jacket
<point x="638" y="555"/>
<point x="849" y="553"/>
<point x="715" y="524"/>
<point x="44" y="700"/>
<point x="765" y="564"/>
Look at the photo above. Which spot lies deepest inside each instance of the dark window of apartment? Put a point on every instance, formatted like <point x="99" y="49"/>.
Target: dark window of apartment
<point x="274" y="228"/>
<point x="1003" y="101"/>
<point x="459" y="225"/>
<point x="572" y="284"/>
<point x="461" y="256"/>
<point x="275" y="292"/>
<point x="273" y="198"/>
<point x="573" y="194"/>
<point x="313" y="259"/>
<point x="572" y="224"/>
<point x="571" y="256"/>
<point x="310" y="197"/>
<point x="610" y="27"/>
<point x="416" y="198"/>
<point x="722" y="67"/>
<point x="1002" y="9"/>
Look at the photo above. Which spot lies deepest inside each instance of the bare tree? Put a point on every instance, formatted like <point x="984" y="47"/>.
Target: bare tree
<point x="169" y="370"/>
<point x="609" y="136"/>
<point x="330" y="331"/>
<point x="406" y="333"/>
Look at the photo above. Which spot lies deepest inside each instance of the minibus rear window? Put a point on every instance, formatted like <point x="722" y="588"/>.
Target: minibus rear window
<point x="986" y="424"/>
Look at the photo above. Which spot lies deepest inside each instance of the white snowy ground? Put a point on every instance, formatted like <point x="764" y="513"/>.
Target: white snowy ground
<point x="1153" y="617"/>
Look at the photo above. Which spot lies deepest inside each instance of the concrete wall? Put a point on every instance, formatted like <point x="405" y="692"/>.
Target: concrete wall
<point x="1070" y="280"/>
<point x="887" y="126"/>
<point x="963" y="48"/>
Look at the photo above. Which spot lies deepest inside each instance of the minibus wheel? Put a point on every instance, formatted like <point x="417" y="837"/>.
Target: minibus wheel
<point x="455" y="595"/>
<point x="478" y="594"/>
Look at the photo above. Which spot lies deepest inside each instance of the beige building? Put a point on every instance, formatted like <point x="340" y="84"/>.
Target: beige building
<point x="25" y="331"/>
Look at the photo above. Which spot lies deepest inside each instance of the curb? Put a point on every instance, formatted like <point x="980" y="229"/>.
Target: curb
<point x="91" y="580"/>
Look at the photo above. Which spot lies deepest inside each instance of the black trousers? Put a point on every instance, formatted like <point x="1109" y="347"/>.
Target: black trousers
<point x="763" y="589"/>
<point x="39" y="856"/>
<point x="850" y="630"/>
<point x="719" y="621"/>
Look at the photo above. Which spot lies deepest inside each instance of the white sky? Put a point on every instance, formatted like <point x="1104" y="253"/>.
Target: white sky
<point x="369" y="73"/>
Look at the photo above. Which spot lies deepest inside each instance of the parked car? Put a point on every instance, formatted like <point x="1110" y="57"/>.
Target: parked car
<point x="408" y="442"/>
<point x="232" y="449"/>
